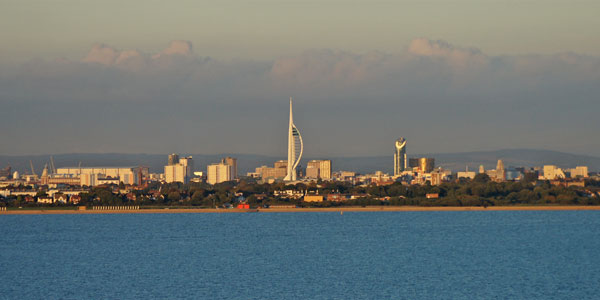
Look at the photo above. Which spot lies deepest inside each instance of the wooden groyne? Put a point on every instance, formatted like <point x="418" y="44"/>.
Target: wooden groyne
<point x="118" y="207"/>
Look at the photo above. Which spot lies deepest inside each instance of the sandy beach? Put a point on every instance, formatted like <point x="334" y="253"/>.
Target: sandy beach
<point x="287" y="210"/>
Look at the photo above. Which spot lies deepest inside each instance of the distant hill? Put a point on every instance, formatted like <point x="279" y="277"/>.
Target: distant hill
<point x="155" y="162"/>
<point x="489" y="159"/>
<point x="514" y="158"/>
<point x="248" y="162"/>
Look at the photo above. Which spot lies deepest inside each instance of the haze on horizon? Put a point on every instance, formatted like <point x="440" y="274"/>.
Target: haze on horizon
<point x="215" y="76"/>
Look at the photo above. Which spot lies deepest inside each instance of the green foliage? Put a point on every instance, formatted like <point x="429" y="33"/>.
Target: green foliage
<point x="480" y="191"/>
<point x="481" y="178"/>
<point x="530" y="177"/>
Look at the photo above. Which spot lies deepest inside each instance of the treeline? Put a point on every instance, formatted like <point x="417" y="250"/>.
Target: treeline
<point x="478" y="192"/>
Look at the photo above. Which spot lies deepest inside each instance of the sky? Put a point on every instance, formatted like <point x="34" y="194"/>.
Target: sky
<point x="215" y="76"/>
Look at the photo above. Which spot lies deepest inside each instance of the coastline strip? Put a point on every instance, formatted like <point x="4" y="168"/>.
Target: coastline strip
<point x="307" y="209"/>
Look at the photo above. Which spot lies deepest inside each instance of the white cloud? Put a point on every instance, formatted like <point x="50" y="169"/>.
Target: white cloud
<point x="430" y="87"/>
<point x="178" y="47"/>
<point x="135" y="60"/>
<point x="455" y="56"/>
<point x="102" y="54"/>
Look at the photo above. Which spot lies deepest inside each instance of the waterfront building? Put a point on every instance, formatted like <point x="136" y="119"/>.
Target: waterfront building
<point x="481" y="169"/>
<point x="400" y="163"/>
<point x="295" y="148"/>
<point x="319" y="169"/>
<point x="313" y="198"/>
<point x="217" y="173"/>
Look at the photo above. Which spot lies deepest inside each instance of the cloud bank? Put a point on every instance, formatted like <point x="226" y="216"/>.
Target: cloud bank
<point x="440" y="96"/>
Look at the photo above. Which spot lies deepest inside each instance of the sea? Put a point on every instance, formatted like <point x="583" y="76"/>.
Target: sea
<point x="306" y="255"/>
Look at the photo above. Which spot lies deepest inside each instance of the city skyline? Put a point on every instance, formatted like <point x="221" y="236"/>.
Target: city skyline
<point x="433" y="149"/>
<point x="446" y="91"/>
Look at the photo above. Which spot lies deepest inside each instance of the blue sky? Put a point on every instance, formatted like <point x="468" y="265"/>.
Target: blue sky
<point x="215" y="76"/>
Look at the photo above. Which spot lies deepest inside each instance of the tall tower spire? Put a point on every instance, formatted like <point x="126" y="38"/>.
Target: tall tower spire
<point x="295" y="148"/>
<point x="291" y="113"/>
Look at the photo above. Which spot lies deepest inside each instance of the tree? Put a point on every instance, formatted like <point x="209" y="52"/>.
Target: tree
<point x="481" y="178"/>
<point x="174" y="196"/>
<point x="529" y="177"/>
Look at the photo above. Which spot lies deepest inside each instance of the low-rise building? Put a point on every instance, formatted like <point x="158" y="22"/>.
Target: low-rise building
<point x="293" y="194"/>
<point x="313" y="198"/>
<point x="466" y="174"/>
<point x="45" y="200"/>
<point x="337" y="197"/>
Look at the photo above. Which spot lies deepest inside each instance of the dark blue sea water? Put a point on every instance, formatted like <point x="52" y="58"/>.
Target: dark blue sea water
<point x="360" y="255"/>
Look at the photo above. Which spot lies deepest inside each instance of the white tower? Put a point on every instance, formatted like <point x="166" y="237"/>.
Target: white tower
<point x="295" y="148"/>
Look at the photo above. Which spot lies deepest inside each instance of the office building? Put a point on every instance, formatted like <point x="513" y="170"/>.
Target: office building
<point x="422" y="164"/>
<point x="279" y="171"/>
<point x="233" y="163"/>
<point x="400" y="163"/>
<point x="281" y="164"/>
<point x="319" y="169"/>
<point x="551" y="172"/>
<point x="173" y="159"/>
<point x="182" y="171"/>
<point x="580" y="171"/>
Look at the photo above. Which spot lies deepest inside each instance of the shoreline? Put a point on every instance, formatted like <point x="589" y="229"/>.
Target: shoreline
<point x="287" y="210"/>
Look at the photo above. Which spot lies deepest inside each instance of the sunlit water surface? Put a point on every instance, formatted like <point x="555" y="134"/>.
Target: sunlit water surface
<point x="357" y="255"/>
